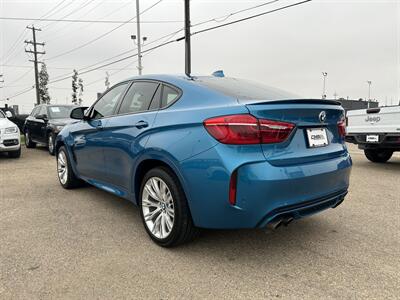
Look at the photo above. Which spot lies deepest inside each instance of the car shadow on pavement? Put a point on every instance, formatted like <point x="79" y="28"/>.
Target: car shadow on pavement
<point x="224" y="244"/>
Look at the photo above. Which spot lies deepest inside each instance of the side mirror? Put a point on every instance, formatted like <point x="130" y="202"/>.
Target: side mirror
<point x="78" y="113"/>
<point x="42" y="117"/>
<point x="8" y="114"/>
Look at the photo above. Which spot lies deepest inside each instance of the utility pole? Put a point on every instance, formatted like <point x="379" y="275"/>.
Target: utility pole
<point x="188" y="66"/>
<point x="139" y="42"/>
<point x="324" y="85"/>
<point x="369" y="91"/>
<point x="35" y="60"/>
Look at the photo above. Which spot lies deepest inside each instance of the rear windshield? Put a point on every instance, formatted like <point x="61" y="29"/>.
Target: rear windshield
<point x="243" y="89"/>
<point x="60" y="112"/>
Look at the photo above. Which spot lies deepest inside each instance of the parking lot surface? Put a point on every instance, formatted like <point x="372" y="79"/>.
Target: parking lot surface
<point x="86" y="243"/>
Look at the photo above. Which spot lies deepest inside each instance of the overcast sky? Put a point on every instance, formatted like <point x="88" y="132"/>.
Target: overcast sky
<point x="353" y="41"/>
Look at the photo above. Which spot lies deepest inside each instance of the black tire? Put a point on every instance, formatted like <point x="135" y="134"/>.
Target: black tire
<point x="50" y="143"/>
<point x="15" y="154"/>
<point x="183" y="229"/>
<point x="71" y="181"/>
<point x="28" y="140"/>
<point x="378" y="155"/>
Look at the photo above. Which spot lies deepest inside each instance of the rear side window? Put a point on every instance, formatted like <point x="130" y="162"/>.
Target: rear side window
<point x="139" y="97"/>
<point x="169" y="95"/>
<point x="243" y="89"/>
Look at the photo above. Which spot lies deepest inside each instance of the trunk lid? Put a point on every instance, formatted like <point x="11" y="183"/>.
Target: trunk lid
<point x="305" y="114"/>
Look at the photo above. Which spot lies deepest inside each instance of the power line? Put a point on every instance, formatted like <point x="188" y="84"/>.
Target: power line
<point x="102" y="35"/>
<point x="50" y="11"/>
<point x="72" y="12"/>
<point x="48" y="14"/>
<point x="250" y="17"/>
<point x="194" y="33"/>
<point x="181" y="38"/>
<point x="19" y="93"/>
<point x="168" y="36"/>
<point x="6" y="57"/>
<point x="227" y="16"/>
<point x="57" y="35"/>
<point x="22" y="76"/>
<point x="86" y="21"/>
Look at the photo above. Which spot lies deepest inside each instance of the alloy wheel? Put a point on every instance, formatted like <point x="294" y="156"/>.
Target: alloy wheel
<point x="26" y="138"/>
<point x="158" y="208"/>
<point x="51" y="144"/>
<point x="62" y="169"/>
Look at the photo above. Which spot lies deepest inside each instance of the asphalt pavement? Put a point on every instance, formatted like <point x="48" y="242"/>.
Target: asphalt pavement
<point x="86" y="244"/>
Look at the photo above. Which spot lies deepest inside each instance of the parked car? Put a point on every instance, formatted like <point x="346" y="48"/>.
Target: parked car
<point x="208" y="152"/>
<point x="9" y="136"/>
<point x="17" y="119"/>
<point x="44" y="123"/>
<point x="376" y="131"/>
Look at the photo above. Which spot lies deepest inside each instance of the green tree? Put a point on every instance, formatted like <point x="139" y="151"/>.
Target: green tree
<point x="43" y="81"/>
<point x="75" y="87"/>
<point x="80" y="84"/>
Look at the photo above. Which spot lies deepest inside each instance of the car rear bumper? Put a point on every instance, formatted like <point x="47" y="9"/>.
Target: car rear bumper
<point x="265" y="192"/>
<point x="386" y="140"/>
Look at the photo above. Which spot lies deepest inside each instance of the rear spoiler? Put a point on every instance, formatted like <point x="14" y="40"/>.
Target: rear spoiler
<point x="300" y="101"/>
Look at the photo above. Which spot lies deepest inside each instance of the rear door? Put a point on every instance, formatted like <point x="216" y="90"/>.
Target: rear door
<point x="126" y="134"/>
<point x="29" y="120"/>
<point x="315" y="137"/>
<point x="38" y="124"/>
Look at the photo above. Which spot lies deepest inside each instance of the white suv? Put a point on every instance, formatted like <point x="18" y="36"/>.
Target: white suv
<point x="9" y="137"/>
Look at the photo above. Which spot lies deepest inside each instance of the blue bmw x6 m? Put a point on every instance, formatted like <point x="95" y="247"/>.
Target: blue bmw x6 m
<point x="208" y="152"/>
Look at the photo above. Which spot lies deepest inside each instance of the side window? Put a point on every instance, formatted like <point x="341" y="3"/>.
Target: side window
<point x="34" y="111"/>
<point x="138" y="97"/>
<point x="40" y="110"/>
<point x="169" y="95"/>
<point x="106" y="105"/>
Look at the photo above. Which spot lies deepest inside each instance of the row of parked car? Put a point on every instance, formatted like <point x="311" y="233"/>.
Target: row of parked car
<point x="9" y="135"/>
<point x="41" y="126"/>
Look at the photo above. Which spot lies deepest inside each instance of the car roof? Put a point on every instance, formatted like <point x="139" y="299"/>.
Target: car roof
<point x="237" y="88"/>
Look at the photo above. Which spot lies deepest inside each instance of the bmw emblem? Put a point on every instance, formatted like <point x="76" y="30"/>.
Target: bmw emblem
<point x="322" y="116"/>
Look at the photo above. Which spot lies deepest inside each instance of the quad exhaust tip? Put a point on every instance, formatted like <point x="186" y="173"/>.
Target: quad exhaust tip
<point x="282" y="221"/>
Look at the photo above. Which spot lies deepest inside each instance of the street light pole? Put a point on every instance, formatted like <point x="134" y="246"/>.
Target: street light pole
<point x="324" y="74"/>
<point x="188" y="59"/>
<point x="369" y="91"/>
<point x="138" y="38"/>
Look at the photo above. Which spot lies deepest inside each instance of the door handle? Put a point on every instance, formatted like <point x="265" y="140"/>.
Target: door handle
<point x="141" y="124"/>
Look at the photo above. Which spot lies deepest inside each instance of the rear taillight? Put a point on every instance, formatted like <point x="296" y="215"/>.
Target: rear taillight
<point x="246" y="129"/>
<point x="342" y="128"/>
<point x="274" y="131"/>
